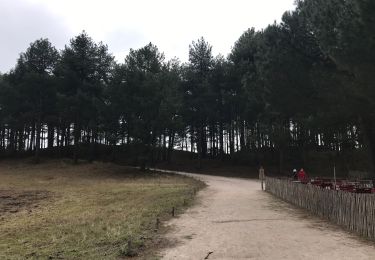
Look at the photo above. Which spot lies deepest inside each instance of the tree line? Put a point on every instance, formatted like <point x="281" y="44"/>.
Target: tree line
<point x="304" y="84"/>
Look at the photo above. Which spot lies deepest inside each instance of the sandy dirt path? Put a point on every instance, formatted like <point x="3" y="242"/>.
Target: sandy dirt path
<point x="234" y="219"/>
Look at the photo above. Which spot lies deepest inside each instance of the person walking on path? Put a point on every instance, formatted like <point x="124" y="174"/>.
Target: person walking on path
<point x="261" y="176"/>
<point x="294" y="174"/>
<point x="302" y="176"/>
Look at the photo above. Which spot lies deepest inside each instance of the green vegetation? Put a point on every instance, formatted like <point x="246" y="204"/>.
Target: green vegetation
<point x="84" y="211"/>
<point x="295" y="91"/>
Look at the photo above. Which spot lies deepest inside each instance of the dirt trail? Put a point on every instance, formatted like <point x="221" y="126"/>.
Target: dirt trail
<point x="234" y="219"/>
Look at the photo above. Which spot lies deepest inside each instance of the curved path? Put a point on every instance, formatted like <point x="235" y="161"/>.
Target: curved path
<point x="234" y="219"/>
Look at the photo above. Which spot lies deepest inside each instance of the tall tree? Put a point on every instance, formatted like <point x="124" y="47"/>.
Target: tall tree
<point x="343" y="29"/>
<point x="34" y="79"/>
<point x="197" y="91"/>
<point x="84" y="70"/>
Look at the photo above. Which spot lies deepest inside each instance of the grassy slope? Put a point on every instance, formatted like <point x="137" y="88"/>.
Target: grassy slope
<point x="92" y="213"/>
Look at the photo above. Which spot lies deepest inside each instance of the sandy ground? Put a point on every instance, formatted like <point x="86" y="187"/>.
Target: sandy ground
<point x="234" y="219"/>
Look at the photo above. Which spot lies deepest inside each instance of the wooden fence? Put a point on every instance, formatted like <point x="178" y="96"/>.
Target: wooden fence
<point x="353" y="211"/>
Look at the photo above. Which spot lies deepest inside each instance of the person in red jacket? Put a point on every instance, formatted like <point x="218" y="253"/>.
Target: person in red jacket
<point x="301" y="175"/>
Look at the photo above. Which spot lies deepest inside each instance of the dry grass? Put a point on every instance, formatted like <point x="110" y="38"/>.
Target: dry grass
<point x="87" y="211"/>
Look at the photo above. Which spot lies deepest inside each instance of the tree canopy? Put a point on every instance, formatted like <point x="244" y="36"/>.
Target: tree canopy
<point x="299" y="86"/>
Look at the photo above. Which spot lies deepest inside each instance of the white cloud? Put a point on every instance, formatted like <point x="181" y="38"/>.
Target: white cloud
<point x="123" y="24"/>
<point x="22" y="23"/>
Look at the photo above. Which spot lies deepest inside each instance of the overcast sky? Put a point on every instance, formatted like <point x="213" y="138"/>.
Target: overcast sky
<point x="123" y="24"/>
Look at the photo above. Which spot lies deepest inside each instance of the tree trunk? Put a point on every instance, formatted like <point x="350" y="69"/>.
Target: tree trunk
<point x="32" y="136"/>
<point x="368" y="130"/>
<point x="92" y="144"/>
<point x="77" y="135"/>
<point x="221" y="140"/>
<point x="164" y="148"/>
<point x="51" y="136"/>
<point x="37" y="144"/>
<point x="192" y="133"/>
<point x="231" y="139"/>
<point x="203" y="141"/>
<point x="242" y="135"/>
<point x="170" y="145"/>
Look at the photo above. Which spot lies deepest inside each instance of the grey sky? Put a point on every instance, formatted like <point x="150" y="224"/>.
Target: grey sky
<point x="123" y="24"/>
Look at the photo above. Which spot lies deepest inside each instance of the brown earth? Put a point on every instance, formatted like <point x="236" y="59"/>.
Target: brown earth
<point x="234" y="219"/>
<point x="15" y="201"/>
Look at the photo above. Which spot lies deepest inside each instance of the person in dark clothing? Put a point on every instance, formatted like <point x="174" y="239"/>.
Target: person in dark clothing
<point x="294" y="174"/>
